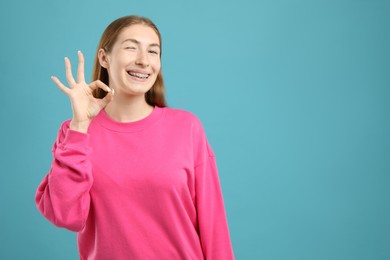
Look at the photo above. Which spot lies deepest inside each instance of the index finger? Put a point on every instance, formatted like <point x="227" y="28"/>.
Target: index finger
<point x="80" y="68"/>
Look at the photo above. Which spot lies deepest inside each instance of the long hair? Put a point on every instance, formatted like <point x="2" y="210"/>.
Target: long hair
<point x="155" y="96"/>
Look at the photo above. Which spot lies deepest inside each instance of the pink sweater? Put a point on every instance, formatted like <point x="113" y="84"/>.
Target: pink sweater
<point x="142" y="190"/>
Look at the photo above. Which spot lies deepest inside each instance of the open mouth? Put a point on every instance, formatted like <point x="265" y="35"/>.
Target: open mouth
<point x="138" y="75"/>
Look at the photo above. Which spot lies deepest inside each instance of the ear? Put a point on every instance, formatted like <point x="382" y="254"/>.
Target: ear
<point x="103" y="58"/>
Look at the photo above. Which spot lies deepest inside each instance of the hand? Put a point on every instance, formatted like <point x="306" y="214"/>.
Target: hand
<point x="84" y="105"/>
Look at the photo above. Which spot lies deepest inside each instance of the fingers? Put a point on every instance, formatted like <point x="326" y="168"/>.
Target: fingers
<point x="110" y="95"/>
<point x="107" y="99"/>
<point x="80" y="68"/>
<point x="60" y="85"/>
<point x="80" y="77"/>
<point x="69" y="75"/>
<point x="99" y="84"/>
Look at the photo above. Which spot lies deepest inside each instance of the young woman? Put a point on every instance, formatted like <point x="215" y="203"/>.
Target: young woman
<point x="135" y="179"/>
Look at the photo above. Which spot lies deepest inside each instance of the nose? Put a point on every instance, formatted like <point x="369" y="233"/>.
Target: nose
<point x="142" y="59"/>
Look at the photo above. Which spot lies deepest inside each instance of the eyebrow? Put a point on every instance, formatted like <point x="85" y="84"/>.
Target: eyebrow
<point x="138" y="42"/>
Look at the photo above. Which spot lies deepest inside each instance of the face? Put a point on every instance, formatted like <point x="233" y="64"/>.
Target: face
<point x="134" y="61"/>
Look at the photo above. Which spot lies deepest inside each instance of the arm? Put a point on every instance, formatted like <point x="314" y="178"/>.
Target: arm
<point x="213" y="226"/>
<point x="63" y="195"/>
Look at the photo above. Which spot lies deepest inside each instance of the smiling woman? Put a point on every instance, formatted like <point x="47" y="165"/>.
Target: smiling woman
<point x="133" y="63"/>
<point x="134" y="178"/>
<point x="155" y="96"/>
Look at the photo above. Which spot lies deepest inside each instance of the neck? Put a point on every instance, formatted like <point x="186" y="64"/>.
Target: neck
<point x="128" y="109"/>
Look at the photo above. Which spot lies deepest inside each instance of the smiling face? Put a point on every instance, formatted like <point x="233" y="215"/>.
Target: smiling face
<point x="134" y="60"/>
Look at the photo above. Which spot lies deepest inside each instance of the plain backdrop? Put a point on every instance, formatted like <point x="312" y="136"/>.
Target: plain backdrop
<point x="294" y="96"/>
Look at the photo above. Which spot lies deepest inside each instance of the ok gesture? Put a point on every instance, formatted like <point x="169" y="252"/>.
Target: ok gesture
<point x="84" y="105"/>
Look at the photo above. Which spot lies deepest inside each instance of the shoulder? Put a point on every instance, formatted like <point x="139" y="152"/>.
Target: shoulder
<point x="180" y="114"/>
<point x="182" y="117"/>
<point x="185" y="121"/>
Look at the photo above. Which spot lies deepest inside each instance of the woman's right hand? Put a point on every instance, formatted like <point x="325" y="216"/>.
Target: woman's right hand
<point x="84" y="105"/>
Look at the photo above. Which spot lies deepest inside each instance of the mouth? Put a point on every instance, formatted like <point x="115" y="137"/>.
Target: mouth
<point x="138" y="75"/>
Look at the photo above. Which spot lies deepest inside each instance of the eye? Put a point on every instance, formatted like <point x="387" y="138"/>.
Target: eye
<point x="153" y="52"/>
<point x="129" y="48"/>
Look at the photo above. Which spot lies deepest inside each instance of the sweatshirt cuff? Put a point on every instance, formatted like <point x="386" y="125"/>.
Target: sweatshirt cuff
<point x="74" y="137"/>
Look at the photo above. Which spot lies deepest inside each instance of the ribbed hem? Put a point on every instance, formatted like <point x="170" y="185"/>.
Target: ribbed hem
<point x="75" y="137"/>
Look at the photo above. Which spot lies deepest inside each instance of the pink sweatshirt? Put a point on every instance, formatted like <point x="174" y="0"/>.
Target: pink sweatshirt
<point x="142" y="190"/>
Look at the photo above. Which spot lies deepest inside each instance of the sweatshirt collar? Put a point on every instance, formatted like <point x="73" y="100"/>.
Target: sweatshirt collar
<point x="107" y="122"/>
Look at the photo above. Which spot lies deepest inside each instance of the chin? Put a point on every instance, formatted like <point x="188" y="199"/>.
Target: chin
<point x="137" y="90"/>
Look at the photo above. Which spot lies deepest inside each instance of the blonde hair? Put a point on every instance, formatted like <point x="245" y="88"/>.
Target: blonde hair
<point x="156" y="95"/>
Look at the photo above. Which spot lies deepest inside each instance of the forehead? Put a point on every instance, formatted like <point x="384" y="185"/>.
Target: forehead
<point x="142" y="33"/>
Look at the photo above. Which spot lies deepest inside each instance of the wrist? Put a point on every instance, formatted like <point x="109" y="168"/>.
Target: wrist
<point x="80" y="126"/>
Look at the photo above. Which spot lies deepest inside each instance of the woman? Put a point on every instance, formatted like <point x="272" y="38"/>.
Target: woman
<point x="135" y="179"/>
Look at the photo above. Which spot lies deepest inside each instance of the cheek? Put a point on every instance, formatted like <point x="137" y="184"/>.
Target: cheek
<point x="156" y="65"/>
<point x="118" y="66"/>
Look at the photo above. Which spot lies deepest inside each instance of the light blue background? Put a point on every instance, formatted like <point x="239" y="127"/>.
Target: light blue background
<point x="294" y="97"/>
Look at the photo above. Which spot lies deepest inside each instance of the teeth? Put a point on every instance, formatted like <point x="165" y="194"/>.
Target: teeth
<point x="138" y="75"/>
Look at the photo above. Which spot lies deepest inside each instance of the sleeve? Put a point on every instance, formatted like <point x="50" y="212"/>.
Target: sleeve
<point x="212" y="220"/>
<point x="63" y="195"/>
